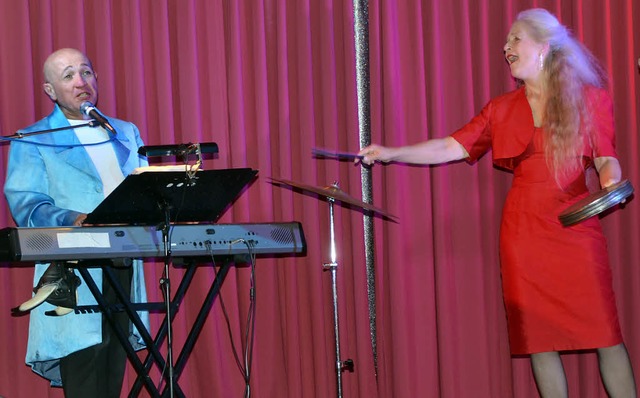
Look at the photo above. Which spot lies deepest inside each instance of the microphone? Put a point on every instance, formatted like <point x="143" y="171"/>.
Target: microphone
<point x="90" y="110"/>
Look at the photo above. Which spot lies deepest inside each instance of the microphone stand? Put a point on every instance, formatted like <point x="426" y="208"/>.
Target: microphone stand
<point x="18" y="134"/>
<point x="165" y="284"/>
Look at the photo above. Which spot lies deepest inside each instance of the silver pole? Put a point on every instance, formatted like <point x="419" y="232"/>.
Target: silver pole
<point x="361" y="29"/>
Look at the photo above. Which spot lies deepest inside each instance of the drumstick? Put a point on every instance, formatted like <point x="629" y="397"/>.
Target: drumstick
<point x="324" y="153"/>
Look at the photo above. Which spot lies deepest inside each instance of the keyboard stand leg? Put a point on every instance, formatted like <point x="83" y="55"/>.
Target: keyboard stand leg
<point x="194" y="333"/>
<point x="162" y="331"/>
<point x="120" y="334"/>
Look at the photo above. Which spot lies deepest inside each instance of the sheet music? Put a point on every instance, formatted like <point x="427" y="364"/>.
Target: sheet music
<point x="172" y="167"/>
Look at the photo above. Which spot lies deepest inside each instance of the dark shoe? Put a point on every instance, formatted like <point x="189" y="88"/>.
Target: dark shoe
<point x="57" y="286"/>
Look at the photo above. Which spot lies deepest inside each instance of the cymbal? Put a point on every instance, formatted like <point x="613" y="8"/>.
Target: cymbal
<point x="334" y="192"/>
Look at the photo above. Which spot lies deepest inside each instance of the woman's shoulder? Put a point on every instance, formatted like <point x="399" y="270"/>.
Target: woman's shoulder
<point x="598" y="97"/>
<point x="596" y="92"/>
<point x="509" y="97"/>
<point x="507" y="102"/>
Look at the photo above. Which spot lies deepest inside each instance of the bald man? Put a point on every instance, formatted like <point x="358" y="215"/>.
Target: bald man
<point x="56" y="179"/>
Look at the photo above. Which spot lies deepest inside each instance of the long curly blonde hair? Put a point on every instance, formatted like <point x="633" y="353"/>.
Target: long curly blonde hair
<point x="568" y="68"/>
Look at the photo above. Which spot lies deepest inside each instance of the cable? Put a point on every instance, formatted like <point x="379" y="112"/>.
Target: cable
<point x="245" y="365"/>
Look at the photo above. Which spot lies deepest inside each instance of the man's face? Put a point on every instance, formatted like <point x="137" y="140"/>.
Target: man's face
<point x="70" y="81"/>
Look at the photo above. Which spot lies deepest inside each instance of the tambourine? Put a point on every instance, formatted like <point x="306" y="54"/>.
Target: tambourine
<point x="596" y="203"/>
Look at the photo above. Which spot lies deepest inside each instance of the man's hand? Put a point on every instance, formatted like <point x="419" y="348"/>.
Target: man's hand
<point x="79" y="220"/>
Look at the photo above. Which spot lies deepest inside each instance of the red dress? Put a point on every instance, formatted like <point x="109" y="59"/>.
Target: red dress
<point x="556" y="280"/>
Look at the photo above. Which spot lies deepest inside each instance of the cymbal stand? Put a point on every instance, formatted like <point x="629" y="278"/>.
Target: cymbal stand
<point x="333" y="267"/>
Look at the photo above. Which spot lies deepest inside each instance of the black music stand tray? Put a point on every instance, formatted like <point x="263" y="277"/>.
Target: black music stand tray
<point x="144" y="199"/>
<point x="163" y="198"/>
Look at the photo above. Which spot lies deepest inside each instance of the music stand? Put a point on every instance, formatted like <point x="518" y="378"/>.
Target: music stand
<point x="147" y="198"/>
<point x="162" y="198"/>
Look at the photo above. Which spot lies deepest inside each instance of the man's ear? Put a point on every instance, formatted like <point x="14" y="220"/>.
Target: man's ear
<point x="48" y="89"/>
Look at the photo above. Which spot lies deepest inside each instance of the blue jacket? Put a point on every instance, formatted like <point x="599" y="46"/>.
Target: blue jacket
<point x="49" y="184"/>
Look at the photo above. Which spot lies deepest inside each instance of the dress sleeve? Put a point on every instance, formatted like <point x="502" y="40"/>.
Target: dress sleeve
<point x="603" y="137"/>
<point x="504" y="126"/>
<point x="475" y="136"/>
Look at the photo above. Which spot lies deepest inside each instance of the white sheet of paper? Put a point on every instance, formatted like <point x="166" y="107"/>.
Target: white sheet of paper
<point x="83" y="239"/>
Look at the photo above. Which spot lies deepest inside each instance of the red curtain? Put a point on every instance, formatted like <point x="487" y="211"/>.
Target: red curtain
<point x="270" y="80"/>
